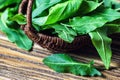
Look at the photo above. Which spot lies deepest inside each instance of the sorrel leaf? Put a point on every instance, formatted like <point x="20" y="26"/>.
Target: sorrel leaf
<point x="102" y="44"/>
<point x="64" y="32"/>
<point x="43" y="5"/>
<point x="86" y="24"/>
<point x="63" y="63"/>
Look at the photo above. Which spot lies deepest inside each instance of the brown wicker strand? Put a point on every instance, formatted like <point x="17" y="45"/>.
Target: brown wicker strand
<point x="23" y="6"/>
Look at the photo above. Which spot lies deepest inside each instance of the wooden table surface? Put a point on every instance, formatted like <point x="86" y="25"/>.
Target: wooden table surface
<point x="18" y="64"/>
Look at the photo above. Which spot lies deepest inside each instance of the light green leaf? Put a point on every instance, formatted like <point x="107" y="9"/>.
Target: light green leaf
<point x="60" y="12"/>
<point x="15" y="35"/>
<point x="40" y="2"/>
<point x="65" y="64"/>
<point x="19" y="18"/>
<point x="107" y="3"/>
<point x="63" y="10"/>
<point x="39" y="21"/>
<point x="43" y="5"/>
<point x="102" y="44"/>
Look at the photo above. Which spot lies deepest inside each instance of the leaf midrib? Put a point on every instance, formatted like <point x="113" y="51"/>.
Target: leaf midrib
<point x="103" y="46"/>
<point x="72" y="63"/>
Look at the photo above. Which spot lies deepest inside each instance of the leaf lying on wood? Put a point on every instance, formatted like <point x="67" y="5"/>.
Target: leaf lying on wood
<point x="65" y="64"/>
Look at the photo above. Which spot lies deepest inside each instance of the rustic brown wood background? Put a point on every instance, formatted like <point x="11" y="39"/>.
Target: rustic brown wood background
<point x="18" y="64"/>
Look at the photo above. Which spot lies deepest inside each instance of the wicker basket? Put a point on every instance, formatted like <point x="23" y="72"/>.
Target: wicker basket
<point x="46" y="41"/>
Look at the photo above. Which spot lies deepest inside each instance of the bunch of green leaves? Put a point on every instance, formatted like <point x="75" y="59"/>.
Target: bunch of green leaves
<point x="71" y="18"/>
<point x="9" y="8"/>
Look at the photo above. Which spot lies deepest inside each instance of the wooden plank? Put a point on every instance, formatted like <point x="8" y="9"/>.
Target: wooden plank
<point x="18" y="64"/>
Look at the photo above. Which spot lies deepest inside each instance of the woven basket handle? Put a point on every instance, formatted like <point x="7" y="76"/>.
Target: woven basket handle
<point x="23" y="7"/>
<point x="26" y="8"/>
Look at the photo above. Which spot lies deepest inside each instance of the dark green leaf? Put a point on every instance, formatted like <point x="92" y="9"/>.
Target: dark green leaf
<point x="64" y="32"/>
<point x="109" y="14"/>
<point x="87" y="24"/>
<point x="5" y="3"/>
<point x="65" y="64"/>
<point x="15" y="35"/>
<point x="113" y="28"/>
<point x="102" y="44"/>
<point x="88" y="6"/>
<point x="116" y="4"/>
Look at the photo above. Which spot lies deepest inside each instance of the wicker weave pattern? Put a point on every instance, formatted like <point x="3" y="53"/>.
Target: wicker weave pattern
<point x="46" y="41"/>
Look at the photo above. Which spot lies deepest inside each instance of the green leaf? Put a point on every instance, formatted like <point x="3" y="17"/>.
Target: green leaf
<point x="19" y="18"/>
<point x="39" y="21"/>
<point x="109" y="14"/>
<point x="15" y="35"/>
<point x="43" y="5"/>
<point x="88" y="6"/>
<point x="116" y="4"/>
<point x="0" y="14"/>
<point x="65" y="64"/>
<point x="113" y="28"/>
<point x="102" y="44"/>
<point x="107" y="3"/>
<point x="63" y="10"/>
<point x="64" y="32"/>
<point x="39" y="2"/>
<point x="60" y="12"/>
<point x="86" y="24"/>
<point x="5" y="3"/>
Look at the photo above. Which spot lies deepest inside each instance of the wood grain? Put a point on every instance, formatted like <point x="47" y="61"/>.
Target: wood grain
<point x="18" y="64"/>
